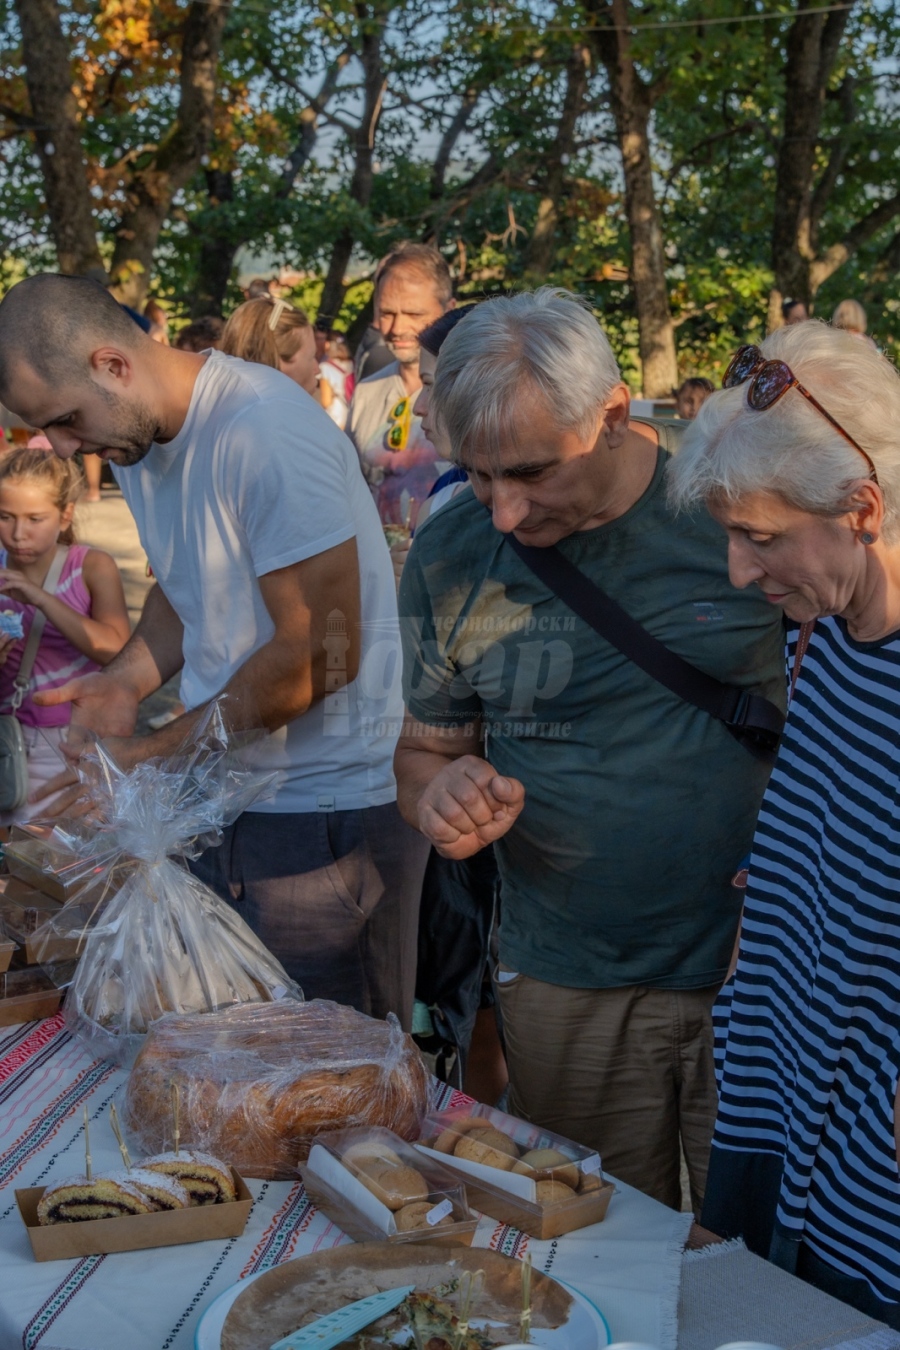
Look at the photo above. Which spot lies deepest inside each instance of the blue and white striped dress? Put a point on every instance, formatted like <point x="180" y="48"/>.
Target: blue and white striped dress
<point x="811" y="1030"/>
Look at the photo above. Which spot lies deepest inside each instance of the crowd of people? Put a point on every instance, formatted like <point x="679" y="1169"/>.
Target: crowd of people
<point x="583" y="723"/>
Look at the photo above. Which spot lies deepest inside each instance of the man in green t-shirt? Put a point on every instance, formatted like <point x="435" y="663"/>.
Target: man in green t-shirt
<point x="619" y="813"/>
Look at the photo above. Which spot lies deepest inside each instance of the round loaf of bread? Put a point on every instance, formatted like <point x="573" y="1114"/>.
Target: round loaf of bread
<point x="412" y="1217"/>
<point x="258" y="1082"/>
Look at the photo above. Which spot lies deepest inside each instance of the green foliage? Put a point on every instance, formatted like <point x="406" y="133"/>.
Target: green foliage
<point x="717" y="122"/>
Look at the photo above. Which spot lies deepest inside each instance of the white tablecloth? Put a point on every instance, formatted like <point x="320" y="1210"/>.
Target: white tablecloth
<point x="151" y="1300"/>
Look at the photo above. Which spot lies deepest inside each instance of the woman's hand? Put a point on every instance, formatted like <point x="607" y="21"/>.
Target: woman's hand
<point x="18" y="587"/>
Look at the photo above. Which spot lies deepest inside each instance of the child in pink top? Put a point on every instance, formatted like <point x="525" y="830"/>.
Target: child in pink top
<point x="87" y="622"/>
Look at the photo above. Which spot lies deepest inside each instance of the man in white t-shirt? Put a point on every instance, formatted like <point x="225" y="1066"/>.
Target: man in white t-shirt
<point x="274" y="587"/>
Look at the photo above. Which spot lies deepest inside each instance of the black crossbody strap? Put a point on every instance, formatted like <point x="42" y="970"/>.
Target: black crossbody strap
<point x="754" y="720"/>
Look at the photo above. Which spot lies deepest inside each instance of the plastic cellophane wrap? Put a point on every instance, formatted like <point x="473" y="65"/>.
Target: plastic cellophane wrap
<point x="256" y="1085"/>
<point x="152" y="938"/>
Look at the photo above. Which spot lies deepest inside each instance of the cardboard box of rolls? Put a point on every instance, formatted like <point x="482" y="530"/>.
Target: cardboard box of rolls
<point x="518" y="1173"/>
<point x="27" y="993"/>
<point x="162" y="1201"/>
<point x="375" y="1186"/>
<point x="38" y="878"/>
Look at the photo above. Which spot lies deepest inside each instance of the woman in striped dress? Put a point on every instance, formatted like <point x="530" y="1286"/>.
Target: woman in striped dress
<point x="799" y="460"/>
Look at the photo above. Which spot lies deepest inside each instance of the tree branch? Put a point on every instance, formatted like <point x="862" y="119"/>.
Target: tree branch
<point x="22" y="120"/>
<point x="309" y="129"/>
<point x="833" y="258"/>
<point x="839" y="150"/>
<point x="452" y="133"/>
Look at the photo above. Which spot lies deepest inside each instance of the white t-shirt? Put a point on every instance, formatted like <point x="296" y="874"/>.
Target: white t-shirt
<point x="259" y="478"/>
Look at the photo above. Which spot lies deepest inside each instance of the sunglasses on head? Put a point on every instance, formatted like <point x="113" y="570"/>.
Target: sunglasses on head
<point x="770" y="381"/>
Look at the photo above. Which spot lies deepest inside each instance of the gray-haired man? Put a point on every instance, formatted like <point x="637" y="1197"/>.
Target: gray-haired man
<point x="619" y="812"/>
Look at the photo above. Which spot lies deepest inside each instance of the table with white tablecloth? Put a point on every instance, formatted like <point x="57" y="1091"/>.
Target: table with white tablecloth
<point x="631" y="1265"/>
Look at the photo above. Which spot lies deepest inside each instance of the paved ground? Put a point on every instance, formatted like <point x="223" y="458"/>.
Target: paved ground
<point x="108" y="524"/>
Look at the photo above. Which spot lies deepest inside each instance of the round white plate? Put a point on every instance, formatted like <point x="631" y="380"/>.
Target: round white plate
<point x="587" y="1328"/>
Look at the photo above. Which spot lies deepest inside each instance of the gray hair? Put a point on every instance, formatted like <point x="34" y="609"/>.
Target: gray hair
<point x="546" y="342"/>
<point x="790" y="450"/>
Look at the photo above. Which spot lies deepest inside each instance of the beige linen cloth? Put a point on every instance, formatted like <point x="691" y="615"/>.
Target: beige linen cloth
<point x="728" y="1294"/>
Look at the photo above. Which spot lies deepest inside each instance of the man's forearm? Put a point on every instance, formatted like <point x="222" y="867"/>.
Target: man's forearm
<point x="153" y="653"/>
<point x="273" y="687"/>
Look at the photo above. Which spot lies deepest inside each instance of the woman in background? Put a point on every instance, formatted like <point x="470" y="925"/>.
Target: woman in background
<point x="274" y="333"/>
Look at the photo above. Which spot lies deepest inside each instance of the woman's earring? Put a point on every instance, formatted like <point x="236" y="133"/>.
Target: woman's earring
<point x="866" y="538"/>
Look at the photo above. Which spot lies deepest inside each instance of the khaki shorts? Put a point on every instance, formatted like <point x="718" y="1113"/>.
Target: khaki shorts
<point x="628" y="1072"/>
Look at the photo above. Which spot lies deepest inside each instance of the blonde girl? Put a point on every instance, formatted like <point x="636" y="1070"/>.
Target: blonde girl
<point x="86" y="619"/>
<point x="274" y="333"/>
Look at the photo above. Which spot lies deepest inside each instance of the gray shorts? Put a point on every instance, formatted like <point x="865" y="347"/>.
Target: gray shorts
<point x="334" y="895"/>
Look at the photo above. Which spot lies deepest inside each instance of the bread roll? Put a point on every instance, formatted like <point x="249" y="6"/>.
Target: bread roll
<point x="362" y="1155"/>
<point x="412" y="1217"/>
<point x="393" y="1186"/>
<point x="448" y="1139"/>
<point x="548" y="1164"/>
<point x="488" y="1147"/>
<point x="552" y="1192"/>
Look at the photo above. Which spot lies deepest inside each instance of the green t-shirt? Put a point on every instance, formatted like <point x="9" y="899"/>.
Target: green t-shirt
<point x="639" y="807"/>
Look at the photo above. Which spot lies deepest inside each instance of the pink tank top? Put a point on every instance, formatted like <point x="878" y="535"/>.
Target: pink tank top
<point x="57" y="660"/>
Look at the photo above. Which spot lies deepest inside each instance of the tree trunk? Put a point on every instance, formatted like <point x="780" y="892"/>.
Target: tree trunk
<point x="371" y="30"/>
<point x="812" y="47"/>
<point x="48" y="75"/>
<point x="222" y="236"/>
<point x="632" y="104"/>
<point x="540" y="252"/>
<point x="218" y="247"/>
<point x="452" y="133"/>
<point x="179" y="154"/>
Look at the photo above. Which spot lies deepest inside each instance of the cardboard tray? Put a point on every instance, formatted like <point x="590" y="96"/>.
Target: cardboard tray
<point x="27" y="859"/>
<point x="6" y="953"/>
<point x="24" y="916"/>
<point x="542" y="1221"/>
<point x="338" y="1194"/>
<point x="134" y="1232"/>
<point x="32" y="1006"/>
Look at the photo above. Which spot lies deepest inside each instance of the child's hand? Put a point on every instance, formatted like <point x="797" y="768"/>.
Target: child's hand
<point x="18" y="587"/>
<point x="5" y="644"/>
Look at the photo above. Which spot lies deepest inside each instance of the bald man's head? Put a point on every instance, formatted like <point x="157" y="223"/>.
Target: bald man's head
<point x="73" y="363"/>
<point x="52" y="324"/>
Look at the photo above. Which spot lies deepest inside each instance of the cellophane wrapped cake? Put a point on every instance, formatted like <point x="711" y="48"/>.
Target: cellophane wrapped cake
<point x="257" y="1084"/>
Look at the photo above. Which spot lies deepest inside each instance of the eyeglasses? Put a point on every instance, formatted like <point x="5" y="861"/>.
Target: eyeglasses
<point x="770" y="381"/>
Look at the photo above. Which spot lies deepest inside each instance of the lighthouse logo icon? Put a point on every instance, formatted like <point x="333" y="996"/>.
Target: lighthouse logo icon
<point x="337" y="700"/>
